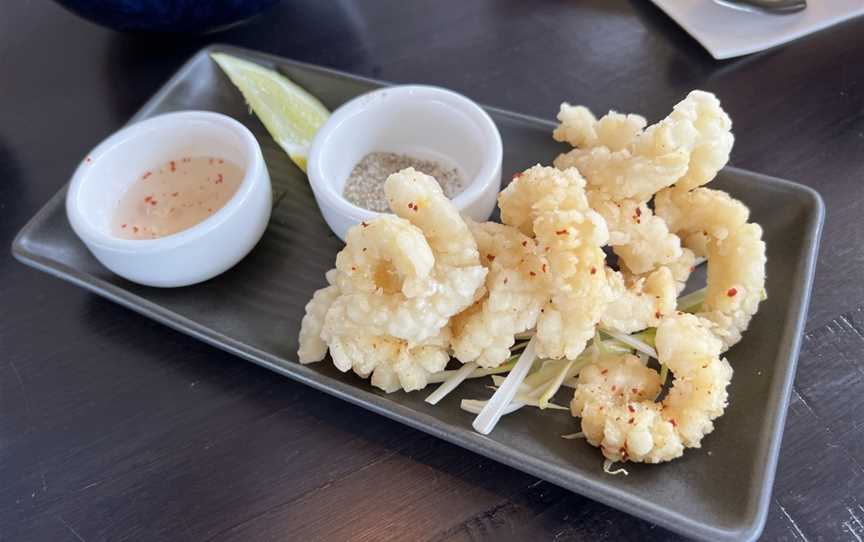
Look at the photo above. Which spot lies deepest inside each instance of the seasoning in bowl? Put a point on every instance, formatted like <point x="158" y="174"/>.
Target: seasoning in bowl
<point x="365" y="184"/>
<point x="175" y="197"/>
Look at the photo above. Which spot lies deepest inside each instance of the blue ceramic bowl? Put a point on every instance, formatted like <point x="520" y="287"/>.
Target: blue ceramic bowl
<point x="167" y="15"/>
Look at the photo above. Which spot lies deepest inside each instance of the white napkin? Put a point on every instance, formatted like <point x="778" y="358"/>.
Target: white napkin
<point x="728" y="32"/>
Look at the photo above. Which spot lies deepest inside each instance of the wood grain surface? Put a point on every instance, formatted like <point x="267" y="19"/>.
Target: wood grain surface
<point x="115" y="428"/>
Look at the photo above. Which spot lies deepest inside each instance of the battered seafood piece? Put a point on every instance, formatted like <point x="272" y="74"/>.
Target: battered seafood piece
<point x="714" y="225"/>
<point x="736" y="282"/>
<point x="641" y="240"/>
<point x="580" y="128"/>
<point x="688" y="147"/>
<point x="681" y="268"/>
<point x="550" y="204"/>
<point x="399" y="285"/>
<point x="418" y="198"/>
<point x="312" y="346"/>
<point x="386" y="321"/>
<point x="542" y="190"/>
<point x="484" y="333"/>
<point x="615" y="396"/>
<point x="713" y="213"/>
<point x="388" y="269"/>
<point x="698" y="395"/>
<point x="626" y="165"/>
<point x="579" y="291"/>
<point x="393" y="363"/>
<point x="640" y="304"/>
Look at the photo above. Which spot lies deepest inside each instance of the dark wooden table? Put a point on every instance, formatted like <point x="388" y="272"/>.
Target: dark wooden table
<point x="113" y="427"/>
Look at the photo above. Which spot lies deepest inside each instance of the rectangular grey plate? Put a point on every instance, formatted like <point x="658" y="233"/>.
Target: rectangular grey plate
<point x="719" y="492"/>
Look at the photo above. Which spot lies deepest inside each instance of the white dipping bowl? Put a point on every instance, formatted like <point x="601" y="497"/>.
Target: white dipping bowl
<point x="421" y="121"/>
<point x="189" y="256"/>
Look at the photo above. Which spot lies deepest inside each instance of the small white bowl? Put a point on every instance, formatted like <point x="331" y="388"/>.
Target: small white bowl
<point x="189" y="256"/>
<point x="421" y="121"/>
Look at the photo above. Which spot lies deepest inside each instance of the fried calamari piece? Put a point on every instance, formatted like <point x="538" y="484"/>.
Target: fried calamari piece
<point x="714" y="213"/>
<point x="688" y="147"/>
<point x="736" y="282"/>
<point x="312" y="347"/>
<point x="681" y="269"/>
<point x="580" y="128"/>
<point x="639" y="238"/>
<point x="399" y="283"/>
<point x="418" y="198"/>
<point x="550" y="205"/>
<point x="615" y="396"/>
<point x="698" y="396"/>
<point x="389" y="270"/>
<point x="543" y="189"/>
<point x="516" y="291"/>
<point x="393" y="363"/>
<point x="714" y="224"/>
<point x="639" y="302"/>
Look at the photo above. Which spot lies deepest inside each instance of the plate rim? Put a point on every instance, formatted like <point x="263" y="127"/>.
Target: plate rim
<point x="619" y="498"/>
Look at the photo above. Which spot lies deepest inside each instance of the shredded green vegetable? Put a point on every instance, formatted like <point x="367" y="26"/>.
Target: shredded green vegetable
<point x="616" y="347"/>
<point x="664" y="373"/>
<point x="436" y="378"/>
<point x="692" y="302"/>
<point x="598" y="343"/>
<point x="633" y="341"/>
<point x="647" y="336"/>
<point x="607" y="468"/>
<point x="451" y="383"/>
<point x="545" y="377"/>
<point x="555" y="384"/>
<point x="543" y="374"/>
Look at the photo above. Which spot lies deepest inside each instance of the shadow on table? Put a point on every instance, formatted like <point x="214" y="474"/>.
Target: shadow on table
<point x="15" y="197"/>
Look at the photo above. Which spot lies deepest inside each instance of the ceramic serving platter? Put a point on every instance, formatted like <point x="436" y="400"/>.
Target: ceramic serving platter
<point x="718" y="492"/>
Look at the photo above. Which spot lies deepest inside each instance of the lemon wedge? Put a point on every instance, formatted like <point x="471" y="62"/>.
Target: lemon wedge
<point x="290" y="114"/>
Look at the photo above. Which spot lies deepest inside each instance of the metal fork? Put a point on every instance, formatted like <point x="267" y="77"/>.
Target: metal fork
<point x="775" y="7"/>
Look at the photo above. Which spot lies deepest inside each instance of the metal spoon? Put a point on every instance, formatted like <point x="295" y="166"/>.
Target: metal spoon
<point x="775" y="7"/>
